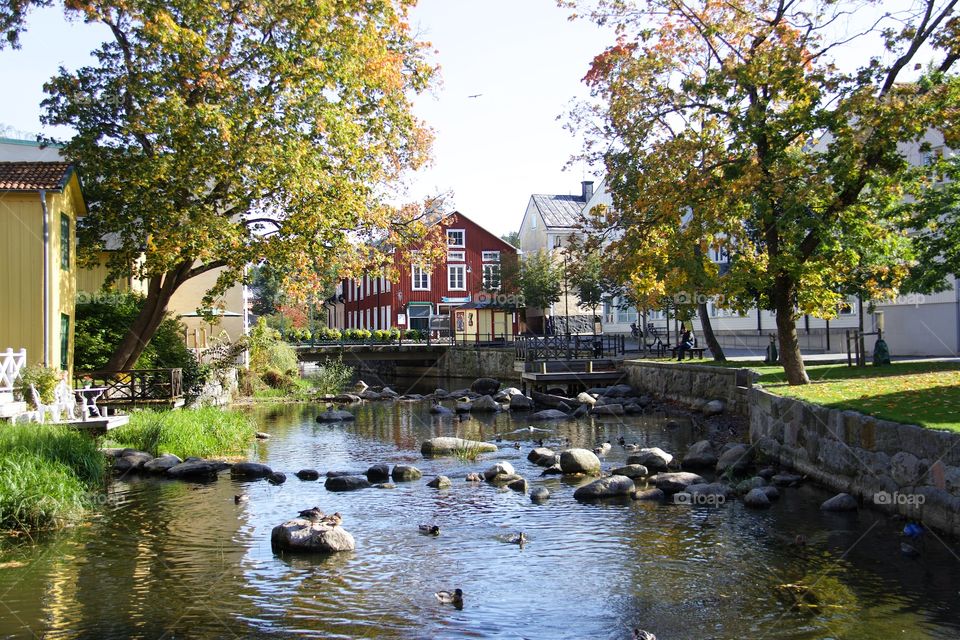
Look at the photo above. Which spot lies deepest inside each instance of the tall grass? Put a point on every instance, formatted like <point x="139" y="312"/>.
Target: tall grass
<point x="203" y="432"/>
<point x="331" y="377"/>
<point x="47" y="474"/>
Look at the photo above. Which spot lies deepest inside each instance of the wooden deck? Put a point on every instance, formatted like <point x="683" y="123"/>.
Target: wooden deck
<point x="570" y="379"/>
<point x="98" y="426"/>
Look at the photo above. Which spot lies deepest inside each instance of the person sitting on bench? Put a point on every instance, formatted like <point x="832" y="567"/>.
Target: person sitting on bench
<point x="686" y="343"/>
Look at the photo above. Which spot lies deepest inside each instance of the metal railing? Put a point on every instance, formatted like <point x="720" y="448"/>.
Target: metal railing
<point x="134" y="385"/>
<point x="568" y="347"/>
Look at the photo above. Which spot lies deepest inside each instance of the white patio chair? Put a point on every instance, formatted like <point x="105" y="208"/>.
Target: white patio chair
<point x="42" y="410"/>
<point x="65" y="401"/>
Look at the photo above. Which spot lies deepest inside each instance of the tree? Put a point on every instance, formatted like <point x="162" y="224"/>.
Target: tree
<point x="590" y="282"/>
<point x="512" y="238"/>
<point x="215" y="134"/>
<point x="266" y="287"/>
<point x="540" y="280"/>
<point x="785" y="157"/>
<point x="933" y="216"/>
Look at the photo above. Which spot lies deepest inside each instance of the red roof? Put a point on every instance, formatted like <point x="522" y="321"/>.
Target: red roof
<point x="31" y="176"/>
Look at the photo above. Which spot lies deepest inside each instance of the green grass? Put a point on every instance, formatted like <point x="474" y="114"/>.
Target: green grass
<point x="204" y="432"/>
<point x="923" y="393"/>
<point x="47" y="476"/>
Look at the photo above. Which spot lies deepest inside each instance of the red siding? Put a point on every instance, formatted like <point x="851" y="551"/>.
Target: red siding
<point x="477" y="241"/>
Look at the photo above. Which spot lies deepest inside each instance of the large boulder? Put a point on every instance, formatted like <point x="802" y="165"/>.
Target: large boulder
<point x="756" y="499"/>
<point x="485" y="404"/>
<point x="306" y="536"/>
<point x="550" y="400"/>
<point x="580" y="461"/>
<point x="676" y="482"/>
<point x="539" y="494"/>
<point x="335" y="415"/>
<point x="440" y="482"/>
<point x="609" y="487"/>
<point x="378" y="473"/>
<point x="439" y="409"/>
<point x="485" y="386"/>
<point x="308" y="475"/>
<point x="736" y="459"/>
<point x="548" y="414"/>
<point x="585" y="398"/>
<point x="520" y="402"/>
<point x="463" y="406"/>
<point x="372" y="395"/>
<point x="580" y="411"/>
<point x="196" y="469"/>
<point x="713" y="408"/>
<point x="542" y="457"/>
<point x="500" y="468"/>
<point x="131" y="460"/>
<point x="162" y="464"/>
<point x="746" y="486"/>
<point x="405" y="473"/>
<point x="249" y="470"/>
<point x="700" y="455"/>
<point x="443" y="446"/>
<point x="346" y="398"/>
<point x="505" y="394"/>
<point x="631" y="471"/>
<point x="518" y="484"/>
<point x="840" y="502"/>
<point x="653" y="458"/>
<point x="346" y="483"/>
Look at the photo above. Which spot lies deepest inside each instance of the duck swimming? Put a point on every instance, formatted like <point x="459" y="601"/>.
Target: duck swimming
<point x="520" y="539"/>
<point x="450" y="597"/>
<point x="430" y="529"/>
<point x="240" y="498"/>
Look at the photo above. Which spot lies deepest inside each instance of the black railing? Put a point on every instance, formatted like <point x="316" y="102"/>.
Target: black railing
<point x="134" y="385"/>
<point x="570" y="347"/>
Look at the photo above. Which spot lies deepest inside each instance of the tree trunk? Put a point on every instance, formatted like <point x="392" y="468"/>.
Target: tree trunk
<point x="708" y="335"/>
<point x="160" y="290"/>
<point x="790" y="355"/>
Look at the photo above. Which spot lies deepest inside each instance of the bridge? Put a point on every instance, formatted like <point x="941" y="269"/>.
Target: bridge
<point x="370" y="352"/>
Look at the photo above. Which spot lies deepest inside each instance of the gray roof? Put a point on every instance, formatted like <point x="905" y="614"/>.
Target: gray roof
<point x="559" y="211"/>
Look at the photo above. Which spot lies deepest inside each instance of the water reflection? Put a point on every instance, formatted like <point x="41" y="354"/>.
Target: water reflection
<point x="183" y="559"/>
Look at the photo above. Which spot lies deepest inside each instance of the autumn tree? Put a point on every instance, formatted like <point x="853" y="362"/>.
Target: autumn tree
<point x="210" y="135"/>
<point x="932" y="217"/>
<point x="797" y="162"/>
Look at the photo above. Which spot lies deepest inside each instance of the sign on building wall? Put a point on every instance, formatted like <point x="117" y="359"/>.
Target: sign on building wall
<point x="401" y="318"/>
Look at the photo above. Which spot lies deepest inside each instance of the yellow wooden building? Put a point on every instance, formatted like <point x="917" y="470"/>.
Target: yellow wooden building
<point x="39" y="206"/>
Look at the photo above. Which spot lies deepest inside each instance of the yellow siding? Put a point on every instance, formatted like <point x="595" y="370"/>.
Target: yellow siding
<point x="188" y="299"/>
<point x="91" y="279"/>
<point x="21" y="274"/>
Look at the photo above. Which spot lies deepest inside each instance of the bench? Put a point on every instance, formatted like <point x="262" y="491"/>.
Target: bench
<point x="692" y="350"/>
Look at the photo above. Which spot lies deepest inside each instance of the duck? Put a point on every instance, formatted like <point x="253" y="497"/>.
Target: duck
<point x="539" y="442"/>
<point x="516" y="445"/>
<point x="621" y="441"/>
<point x="240" y="498"/>
<point x="632" y="447"/>
<point x="498" y="438"/>
<point x="314" y="514"/>
<point x="520" y="539"/>
<point x="430" y="529"/>
<point x="334" y="520"/>
<point x="450" y="597"/>
<point x="640" y="634"/>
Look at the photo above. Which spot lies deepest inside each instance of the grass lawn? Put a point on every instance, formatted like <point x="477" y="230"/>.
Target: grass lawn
<point x="924" y="393"/>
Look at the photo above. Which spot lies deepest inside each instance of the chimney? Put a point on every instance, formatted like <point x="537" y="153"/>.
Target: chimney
<point x="587" y="190"/>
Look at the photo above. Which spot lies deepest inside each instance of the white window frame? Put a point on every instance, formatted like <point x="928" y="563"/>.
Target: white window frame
<point x="490" y="256"/>
<point x="463" y="274"/>
<point x="463" y="238"/>
<point x="492" y="265"/>
<point x="423" y="271"/>
<point x="456" y="256"/>
<point x="533" y="221"/>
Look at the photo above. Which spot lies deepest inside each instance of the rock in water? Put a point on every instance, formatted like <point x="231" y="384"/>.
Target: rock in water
<point x="439" y="409"/>
<point x="549" y="414"/>
<point x="500" y="468"/>
<point x="653" y="458"/>
<point x="405" y="473"/>
<point x="610" y="487"/>
<point x="446" y="446"/>
<point x="440" y="482"/>
<point x="485" y="404"/>
<point x="756" y="499"/>
<point x="542" y="457"/>
<point x="539" y="494"/>
<point x="335" y="415"/>
<point x="520" y="402"/>
<point x="378" y="473"/>
<point x="485" y="386"/>
<point x="346" y="483"/>
<point x="131" y="460"/>
<point x="304" y="536"/>
<point x="840" y="502"/>
<point x="676" y="482"/>
<point x="737" y="459"/>
<point x="197" y="469"/>
<point x="580" y="461"/>
<point x="250" y="470"/>
<point x="714" y="408"/>
<point x="631" y="471"/>
<point x="277" y="478"/>
<point x="162" y="464"/>
<point x="519" y="485"/>
<point x="700" y="455"/>
<point x="308" y="474"/>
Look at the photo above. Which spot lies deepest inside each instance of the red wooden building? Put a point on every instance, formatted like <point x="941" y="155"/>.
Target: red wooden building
<point x="425" y="297"/>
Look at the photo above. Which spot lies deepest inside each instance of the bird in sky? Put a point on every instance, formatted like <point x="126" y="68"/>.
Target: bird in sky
<point x="476" y="95"/>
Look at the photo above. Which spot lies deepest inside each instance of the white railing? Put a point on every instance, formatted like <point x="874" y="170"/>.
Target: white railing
<point x="11" y="362"/>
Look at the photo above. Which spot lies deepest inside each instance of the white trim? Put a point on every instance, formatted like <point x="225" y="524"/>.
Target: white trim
<point x="457" y="256"/>
<point x="463" y="276"/>
<point x="463" y="238"/>
<point x="492" y="266"/>
<point x="414" y="268"/>
<point x="490" y="256"/>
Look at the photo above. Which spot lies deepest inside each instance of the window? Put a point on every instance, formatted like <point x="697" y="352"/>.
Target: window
<point x="456" y="256"/>
<point x="491" y="256"/>
<point x="421" y="278"/>
<point x="64" y="241"/>
<point x="848" y="308"/>
<point x="457" y="277"/>
<point x="533" y="221"/>
<point x="64" y="341"/>
<point x="491" y="277"/>
<point x="456" y="238"/>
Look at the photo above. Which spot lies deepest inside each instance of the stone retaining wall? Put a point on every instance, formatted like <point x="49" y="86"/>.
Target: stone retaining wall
<point x="478" y="363"/>
<point x="895" y="467"/>
<point x="692" y="384"/>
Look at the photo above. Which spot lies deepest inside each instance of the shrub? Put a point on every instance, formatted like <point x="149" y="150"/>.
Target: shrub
<point x="394" y="334"/>
<point x="331" y="377"/>
<point x="413" y="334"/>
<point x="277" y="380"/>
<point x="43" y="378"/>
<point x="268" y="351"/>
<point x="204" y="432"/>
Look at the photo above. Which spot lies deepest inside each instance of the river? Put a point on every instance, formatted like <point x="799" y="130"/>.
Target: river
<point x="181" y="560"/>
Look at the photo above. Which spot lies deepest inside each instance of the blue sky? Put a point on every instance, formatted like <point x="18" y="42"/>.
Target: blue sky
<point x="523" y="56"/>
